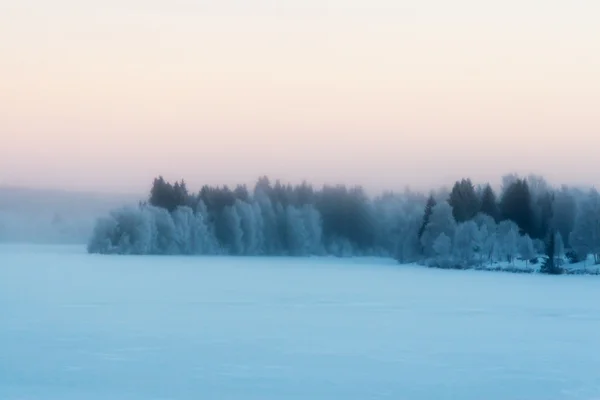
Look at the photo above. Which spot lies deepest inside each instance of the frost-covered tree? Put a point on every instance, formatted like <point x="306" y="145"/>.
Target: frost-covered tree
<point x="441" y="221"/>
<point x="232" y="233"/>
<point x="431" y="203"/>
<point x="297" y="236"/>
<point x="484" y="220"/>
<point x="507" y="237"/>
<point x="394" y="215"/>
<point x="526" y="248"/>
<point x="564" y="212"/>
<point x="467" y="243"/>
<point x="488" y="243"/>
<point x="203" y="234"/>
<point x="132" y="230"/>
<point x="314" y="227"/>
<point x="104" y="240"/>
<point x="166" y="233"/>
<point x="184" y="221"/>
<point x="270" y="223"/>
<point x="442" y="248"/>
<point x="559" y="246"/>
<point x="585" y="238"/>
<point x="543" y="219"/>
<point x="282" y="219"/>
<point x="409" y="247"/>
<point x="551" y="265"/>
<point x="251" y="224"/>
<point x="303" y="231"/>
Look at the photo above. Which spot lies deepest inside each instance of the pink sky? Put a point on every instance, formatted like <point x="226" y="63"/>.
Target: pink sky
<point x="374" y="92"/>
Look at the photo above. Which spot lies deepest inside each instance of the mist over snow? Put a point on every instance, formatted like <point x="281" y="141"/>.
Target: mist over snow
<point x="53" y="216"/>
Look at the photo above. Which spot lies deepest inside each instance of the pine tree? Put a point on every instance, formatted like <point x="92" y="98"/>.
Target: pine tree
<point x="585" y="238"/>
<point x="427" y="216"/>
<point x="516" y="206"/>
<point x="464" y="201"/>
<point x="550" y="265"/>
<point x="489" y="203"/>
<point x="544" y="214"/>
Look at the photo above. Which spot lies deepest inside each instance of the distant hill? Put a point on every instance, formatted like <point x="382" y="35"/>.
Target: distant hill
<point x="54" y="216"/>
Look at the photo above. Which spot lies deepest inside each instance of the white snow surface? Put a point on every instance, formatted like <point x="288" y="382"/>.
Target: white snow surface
<point x="79" y="326"/>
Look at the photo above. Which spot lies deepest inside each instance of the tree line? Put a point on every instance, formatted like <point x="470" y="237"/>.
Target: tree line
<point x="465" y="227"/>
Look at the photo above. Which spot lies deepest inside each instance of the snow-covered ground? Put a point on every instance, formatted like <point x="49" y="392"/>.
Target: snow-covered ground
<point x="75" y="326"/>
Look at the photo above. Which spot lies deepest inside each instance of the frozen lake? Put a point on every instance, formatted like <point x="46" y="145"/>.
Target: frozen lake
<point x="76" y="326"/>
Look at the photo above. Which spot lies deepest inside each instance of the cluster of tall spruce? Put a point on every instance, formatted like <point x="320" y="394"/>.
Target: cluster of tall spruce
<point x="467" y="226"/>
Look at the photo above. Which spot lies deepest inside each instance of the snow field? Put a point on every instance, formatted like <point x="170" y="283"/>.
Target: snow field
<point x="79" y="326"/>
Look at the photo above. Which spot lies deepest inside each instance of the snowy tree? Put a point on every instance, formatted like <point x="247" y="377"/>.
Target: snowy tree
<point x="585" y="238"/>
<point x="487" y="234"/>
<point x="203" y="234"/>
<point x="393" y="215"/>
<point x="508" y="234"/>
<point x="550" y="264"/>
<point x="526" y="248"/>
<point x="103" y="236"/>
<point x="560" y="246"/>
<point x="303" y="232"/>
<point x="467" y="243"/>
<point x="410" y="248"/>
<point x="135" y="230"/>
<point x="270" y="222"/>
<point x="441" y="221"/>
<point x="431" y="203"/>
<point x="251" y="226"/>
<point x="442" y="246"/>
<point x="184" y="221"/>
<point x="488" y="244"/>
<point x="233" y="233"/>
<point x="564" y="212"/>
<point x="314" y="228"/>
<point x="166" y="233"/>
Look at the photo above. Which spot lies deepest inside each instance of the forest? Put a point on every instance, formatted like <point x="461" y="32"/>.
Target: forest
<point x="464" y="227"/>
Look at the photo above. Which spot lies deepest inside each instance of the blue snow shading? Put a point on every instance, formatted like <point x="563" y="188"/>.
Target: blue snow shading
<point x="79" y="326"/>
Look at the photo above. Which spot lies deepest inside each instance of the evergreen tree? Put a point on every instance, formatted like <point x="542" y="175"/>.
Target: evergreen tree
<point x="550" y="265"/>
<point x="516" y="206"/>
<point x="489" y="203"/>
<point x="543" y="214"/>
<point x="464" y="201"/>
<point x="431" y="203"/>
<point x="585" y="238"/>
<point x="564" y="211"/>
<point x="162" y="194"/>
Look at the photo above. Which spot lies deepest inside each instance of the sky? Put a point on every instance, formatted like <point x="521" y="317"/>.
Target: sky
<point x="106" y="95"/>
